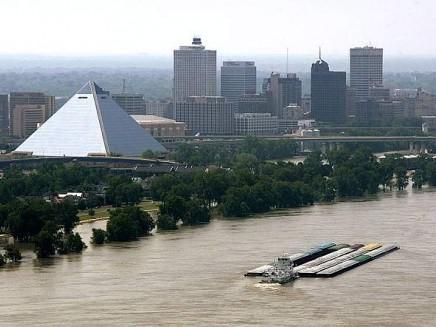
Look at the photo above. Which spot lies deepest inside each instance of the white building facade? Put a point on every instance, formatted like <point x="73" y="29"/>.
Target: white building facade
<point x="256" y="124"/>
<point x="366" y="70"/>
<point x="194" y="71"/>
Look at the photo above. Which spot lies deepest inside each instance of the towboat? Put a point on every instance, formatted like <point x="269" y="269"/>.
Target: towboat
<point x="281" y="272"/>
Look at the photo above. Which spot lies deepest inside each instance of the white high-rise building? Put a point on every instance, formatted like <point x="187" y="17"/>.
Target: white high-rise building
<point x="366" y="70"/>
<point x="194" y="71"/>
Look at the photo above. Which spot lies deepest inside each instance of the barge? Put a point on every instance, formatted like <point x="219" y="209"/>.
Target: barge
<point x="331" y="259"/>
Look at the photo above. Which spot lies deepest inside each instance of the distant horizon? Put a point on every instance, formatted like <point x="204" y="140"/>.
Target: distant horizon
<point x="298" y="63"/>
<point x="325" y="55"/>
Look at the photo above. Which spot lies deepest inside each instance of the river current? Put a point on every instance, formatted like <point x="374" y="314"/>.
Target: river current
<point x="194" y="276"/>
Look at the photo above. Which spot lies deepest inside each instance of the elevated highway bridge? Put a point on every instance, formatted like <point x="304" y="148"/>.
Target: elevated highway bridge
<point x="416" y="143"/>
<point x="152" y="166"/>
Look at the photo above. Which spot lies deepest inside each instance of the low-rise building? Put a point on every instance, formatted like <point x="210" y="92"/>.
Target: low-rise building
<point x="380" y="93"/>
<point x="158" y="108"/>
<point x="256" y="124"/>
<point x="206" y="115"/>
<point x="74" y="197"/>
<point x="293" y="112"/>
<point x="373" y="111"/>
<point x="159" y="126"/>
<point x="429" y="124"/>
<point x="257" y="103"/>
<point x="287" y="126"/>
<point x="27" y="118"/>
<point x="27" y="110"/>
<point x="132" y="103"/>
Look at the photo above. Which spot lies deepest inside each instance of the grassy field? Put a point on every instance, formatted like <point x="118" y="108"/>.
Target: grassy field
<point x="103" y="212"/>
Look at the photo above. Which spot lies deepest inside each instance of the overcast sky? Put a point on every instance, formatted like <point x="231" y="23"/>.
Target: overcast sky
<point x="108" y="27"/>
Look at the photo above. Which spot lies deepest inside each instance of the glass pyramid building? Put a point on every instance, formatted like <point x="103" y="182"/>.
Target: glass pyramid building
<point x="90" y="124"/>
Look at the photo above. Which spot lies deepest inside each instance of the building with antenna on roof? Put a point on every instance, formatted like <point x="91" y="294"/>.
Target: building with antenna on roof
<point x="328" y="89"/>
<point x="90" y="123"/>
<point x="194" y="71"/>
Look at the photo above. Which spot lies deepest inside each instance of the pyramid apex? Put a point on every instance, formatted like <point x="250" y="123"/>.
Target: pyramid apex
<point x="91" y="87"/>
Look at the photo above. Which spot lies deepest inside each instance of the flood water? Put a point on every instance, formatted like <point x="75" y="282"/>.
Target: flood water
<point x="194" y="277"/>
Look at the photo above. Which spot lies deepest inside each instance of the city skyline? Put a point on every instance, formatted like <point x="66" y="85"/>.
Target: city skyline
<point x="132" y="27"/>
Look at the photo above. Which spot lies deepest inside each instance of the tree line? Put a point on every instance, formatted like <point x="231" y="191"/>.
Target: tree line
<point x="249" y="185"/>
<point x="252" y="186"/>
<point x="30" y="212"/>
<point x="101" y="185"/>
<point x="48" y="225"/>
<point x="224" y="155"/>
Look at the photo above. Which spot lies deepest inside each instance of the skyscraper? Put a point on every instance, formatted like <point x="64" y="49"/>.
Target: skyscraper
<point x="238" y="78"/>
<point x="30" y="109"/>
<point x="283" y="91"/>
<point x="366" y="70"/>
<point x="4" y="114"/>
<point x="194" y="71"/>
<point x="328" y="90"/>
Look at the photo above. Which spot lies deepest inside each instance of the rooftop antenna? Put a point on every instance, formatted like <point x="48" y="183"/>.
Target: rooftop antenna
<point x="319" y="52"/>
<point x="124" y="86"/>
<point x="287" y="61"/>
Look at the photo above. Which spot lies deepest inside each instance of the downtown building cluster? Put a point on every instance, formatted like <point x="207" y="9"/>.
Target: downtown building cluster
<point x="279" y="106"/>
<point x="202" y="104"/>
<point x="240" y="109"/>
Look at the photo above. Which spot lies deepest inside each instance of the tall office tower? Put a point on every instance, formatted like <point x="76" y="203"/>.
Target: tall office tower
<point x="27" y="110"/>
<point x="194" y="71"/>
<point x="328" y="90"/>
<point x="4" y="115"/>
<point x="206" y="115"/>
<point x="366" y="70"/>
<point x="238" y="78"/>
<point x="283" y="91"/>
<point x="133" y="104"/>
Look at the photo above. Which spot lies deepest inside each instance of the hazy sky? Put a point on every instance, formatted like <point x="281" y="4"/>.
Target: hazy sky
<point x="107" y="27"/>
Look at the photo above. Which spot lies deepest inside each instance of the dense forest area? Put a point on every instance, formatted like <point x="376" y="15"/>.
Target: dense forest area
<point x="155" y="84"/>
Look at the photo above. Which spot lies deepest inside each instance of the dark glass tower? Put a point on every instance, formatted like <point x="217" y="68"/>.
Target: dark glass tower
<point x="328" y="90"/>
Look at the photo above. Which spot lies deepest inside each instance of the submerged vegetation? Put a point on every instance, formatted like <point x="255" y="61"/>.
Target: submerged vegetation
<point x="252" y="186"/>
<point x="247" y="184"/>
